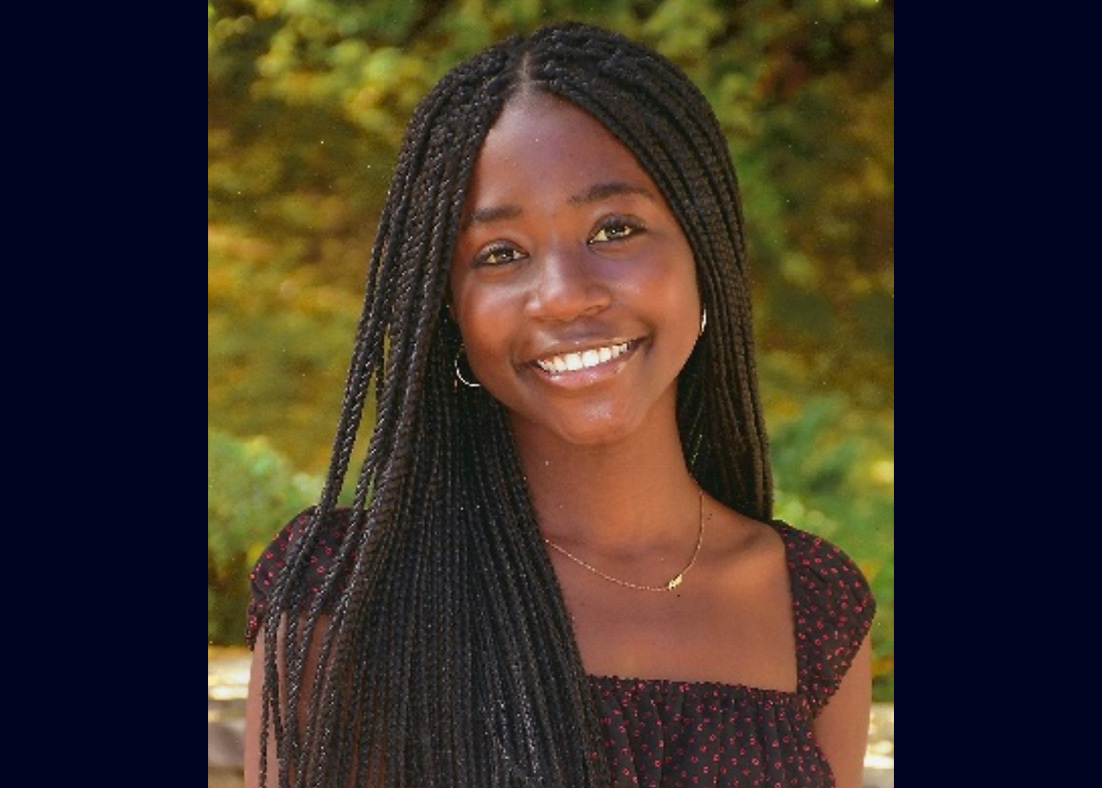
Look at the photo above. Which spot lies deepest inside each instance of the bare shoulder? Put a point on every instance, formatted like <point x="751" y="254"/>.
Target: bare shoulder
<point x="744" y="545"/>
<point x="745" y="609"/>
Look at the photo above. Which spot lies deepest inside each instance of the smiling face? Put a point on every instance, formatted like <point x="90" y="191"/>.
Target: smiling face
<point x="572" y="283"/>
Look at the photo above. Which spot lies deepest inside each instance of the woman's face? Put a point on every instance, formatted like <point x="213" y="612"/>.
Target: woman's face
<point x="572" y="283"/>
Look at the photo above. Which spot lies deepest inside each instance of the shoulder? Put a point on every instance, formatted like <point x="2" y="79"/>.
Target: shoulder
<point x="273" y="559"/>
<point x="833" y="606"/>
<point x="823" y="569"/>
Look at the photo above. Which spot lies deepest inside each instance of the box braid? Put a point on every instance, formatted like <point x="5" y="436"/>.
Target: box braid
<point x="657" y="113"/>
<point x="446" y="652"/>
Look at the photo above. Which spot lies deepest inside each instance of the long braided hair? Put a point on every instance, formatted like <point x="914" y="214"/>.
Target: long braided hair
<point x="446" y="652"/>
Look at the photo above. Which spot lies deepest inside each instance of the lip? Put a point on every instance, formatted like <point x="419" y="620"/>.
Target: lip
<point x="583" y="365"/>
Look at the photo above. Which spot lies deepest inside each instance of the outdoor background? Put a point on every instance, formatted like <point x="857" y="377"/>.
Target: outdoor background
<point x="307" y="102"/>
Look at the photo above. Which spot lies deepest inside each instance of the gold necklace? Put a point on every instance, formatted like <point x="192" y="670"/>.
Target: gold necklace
<point x="669" y="586"/>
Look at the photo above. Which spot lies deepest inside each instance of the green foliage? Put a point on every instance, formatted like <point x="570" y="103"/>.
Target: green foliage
<point x="252" y="491"/>
<point x="834" y="476"/>
<point x="278" y="346"/>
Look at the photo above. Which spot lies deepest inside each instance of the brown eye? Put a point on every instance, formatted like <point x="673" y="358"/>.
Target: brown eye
<point x="615" y="230"/>
<point x="498" y="254"/>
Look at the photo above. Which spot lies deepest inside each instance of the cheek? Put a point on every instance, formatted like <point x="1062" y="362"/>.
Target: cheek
<point x="684" y="287"/>
<point x="669" y="290"/>
<point x="484" y="321"/>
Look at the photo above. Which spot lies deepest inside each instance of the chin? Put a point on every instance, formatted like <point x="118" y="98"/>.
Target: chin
<point x="597" y="427"/>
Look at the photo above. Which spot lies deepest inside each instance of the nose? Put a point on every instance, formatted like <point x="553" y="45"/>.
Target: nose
<point x="567" y="285"/>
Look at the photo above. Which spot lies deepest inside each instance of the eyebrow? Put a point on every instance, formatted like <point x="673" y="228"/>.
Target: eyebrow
<point x="598" y="191"/>
<point x="491" y="214"/>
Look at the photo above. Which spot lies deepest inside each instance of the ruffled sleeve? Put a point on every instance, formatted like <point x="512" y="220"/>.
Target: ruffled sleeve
<point x="272" y="561"/>
<point x="834" y="608"/>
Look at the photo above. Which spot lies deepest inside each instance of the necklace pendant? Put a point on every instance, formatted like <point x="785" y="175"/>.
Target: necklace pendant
<point x="670" y="586"/>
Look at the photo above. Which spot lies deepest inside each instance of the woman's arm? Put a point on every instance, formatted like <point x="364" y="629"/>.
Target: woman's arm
<point x="254" y="704"/>
<point x="842" y="727"/>
<point x="252" y="722"/>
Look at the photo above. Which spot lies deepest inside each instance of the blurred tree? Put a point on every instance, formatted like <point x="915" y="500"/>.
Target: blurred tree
<point x="251" y="489"/>
<point x="834" y="475"/>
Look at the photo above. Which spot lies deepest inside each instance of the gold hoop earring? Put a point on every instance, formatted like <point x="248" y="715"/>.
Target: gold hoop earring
<point x="703" y="320"/>
<point x="459" y="373"/>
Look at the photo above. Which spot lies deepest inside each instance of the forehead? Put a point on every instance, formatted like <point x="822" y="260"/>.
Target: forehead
<point x="542" y="145"/>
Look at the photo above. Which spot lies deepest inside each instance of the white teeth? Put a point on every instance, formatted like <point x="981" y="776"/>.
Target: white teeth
<point x="570" y="362"/>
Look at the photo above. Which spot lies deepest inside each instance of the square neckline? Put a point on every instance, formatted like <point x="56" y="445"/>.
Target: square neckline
<point x="706" y="686"/>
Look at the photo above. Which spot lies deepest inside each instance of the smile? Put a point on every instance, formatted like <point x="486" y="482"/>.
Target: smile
<point x="584" y="359"/>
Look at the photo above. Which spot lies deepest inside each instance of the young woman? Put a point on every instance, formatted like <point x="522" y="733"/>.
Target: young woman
<point x="561" y="567"/>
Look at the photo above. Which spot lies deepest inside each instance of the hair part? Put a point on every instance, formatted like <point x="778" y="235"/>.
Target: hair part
<point x="448" y="654"/>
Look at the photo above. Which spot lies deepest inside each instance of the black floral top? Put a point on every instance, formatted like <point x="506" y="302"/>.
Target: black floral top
<point x="661" y="733"/>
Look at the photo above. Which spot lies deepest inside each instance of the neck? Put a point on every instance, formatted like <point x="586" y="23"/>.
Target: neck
<point x="624" y="497"/>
